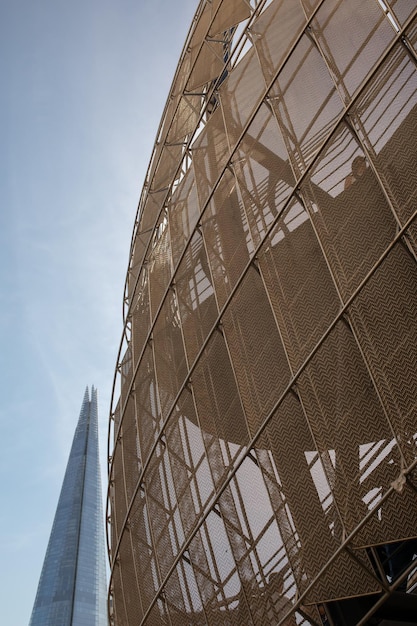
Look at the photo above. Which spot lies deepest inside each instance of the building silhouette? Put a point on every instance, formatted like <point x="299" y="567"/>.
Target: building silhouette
<point x="264" y="417"/>
<point x="72" y="587"/>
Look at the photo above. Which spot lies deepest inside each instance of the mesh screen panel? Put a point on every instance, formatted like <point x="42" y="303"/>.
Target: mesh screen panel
<point x="352" y="35"/>
<point x="223" y="227"/>
<point x="216" y="394"/>
<point x="196" y="300"/>
<point x="184" y="211"/>
<point x="263" y="448"/>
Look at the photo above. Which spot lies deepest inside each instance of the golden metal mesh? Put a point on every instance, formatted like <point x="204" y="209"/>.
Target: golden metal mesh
<point x="266" y="386"/>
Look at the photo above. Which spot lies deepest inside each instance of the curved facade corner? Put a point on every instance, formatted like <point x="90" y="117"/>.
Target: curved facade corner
<point x="262" y="440"/>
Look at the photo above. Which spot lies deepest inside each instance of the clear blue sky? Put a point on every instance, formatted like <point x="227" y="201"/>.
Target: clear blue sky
<point x="83" y="88"/>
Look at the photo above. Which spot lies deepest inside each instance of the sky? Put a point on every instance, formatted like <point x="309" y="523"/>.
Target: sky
<point x="83" y="88"/>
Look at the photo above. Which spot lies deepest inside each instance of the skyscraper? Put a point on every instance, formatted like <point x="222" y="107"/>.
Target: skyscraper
<point x="264" y="422"/>
<point x="72" y="587"/>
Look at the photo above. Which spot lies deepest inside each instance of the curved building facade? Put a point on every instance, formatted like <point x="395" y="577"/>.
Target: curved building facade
<point x="262" y="438"/>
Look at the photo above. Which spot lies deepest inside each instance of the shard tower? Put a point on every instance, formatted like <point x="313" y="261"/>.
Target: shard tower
<point x="72" y="586"/>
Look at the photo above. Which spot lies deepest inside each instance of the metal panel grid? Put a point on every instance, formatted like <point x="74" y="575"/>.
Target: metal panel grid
<point x="262" y="451"/>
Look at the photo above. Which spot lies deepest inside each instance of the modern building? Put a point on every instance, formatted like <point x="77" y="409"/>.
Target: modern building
<point x="264" y="419"/>
<point x="72" y="589"/>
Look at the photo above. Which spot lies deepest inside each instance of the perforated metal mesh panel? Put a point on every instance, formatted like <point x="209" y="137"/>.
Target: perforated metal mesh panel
<point x="263" y="437"/>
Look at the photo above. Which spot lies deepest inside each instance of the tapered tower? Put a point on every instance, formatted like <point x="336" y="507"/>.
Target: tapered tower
<point x="72" y="586"/>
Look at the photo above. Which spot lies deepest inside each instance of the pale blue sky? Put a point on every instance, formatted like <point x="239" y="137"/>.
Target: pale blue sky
<point x="83" y="88"/>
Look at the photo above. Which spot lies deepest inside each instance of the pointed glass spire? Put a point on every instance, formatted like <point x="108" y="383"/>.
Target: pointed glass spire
<point x="72" y="586"/>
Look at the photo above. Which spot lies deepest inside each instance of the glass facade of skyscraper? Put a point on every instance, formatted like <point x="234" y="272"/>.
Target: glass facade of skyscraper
<point x="72" y="587"/>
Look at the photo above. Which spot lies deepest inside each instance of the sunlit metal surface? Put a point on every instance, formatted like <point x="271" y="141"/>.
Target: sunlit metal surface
<point x="262" y="441"/>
